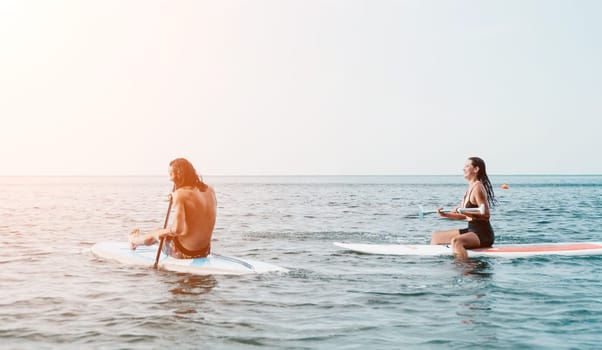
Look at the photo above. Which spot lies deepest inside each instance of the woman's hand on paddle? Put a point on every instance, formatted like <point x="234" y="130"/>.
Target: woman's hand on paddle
<point x="451" y="214"/>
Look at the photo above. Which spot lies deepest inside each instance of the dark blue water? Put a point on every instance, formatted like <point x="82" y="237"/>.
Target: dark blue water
<point x="54" y="294"/>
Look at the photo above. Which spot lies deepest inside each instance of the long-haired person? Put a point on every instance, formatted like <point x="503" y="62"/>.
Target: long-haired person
<point x="479" y="194"/>
<point x="195" y="209"/>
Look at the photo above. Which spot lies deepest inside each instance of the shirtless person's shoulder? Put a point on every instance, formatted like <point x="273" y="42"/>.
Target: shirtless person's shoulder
<point x="195" y="209"/>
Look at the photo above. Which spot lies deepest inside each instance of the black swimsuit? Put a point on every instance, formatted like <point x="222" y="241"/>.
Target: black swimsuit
<point x="482" y="228"/>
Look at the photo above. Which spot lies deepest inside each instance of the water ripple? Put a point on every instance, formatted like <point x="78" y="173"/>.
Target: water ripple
<point x="56" y="295"/>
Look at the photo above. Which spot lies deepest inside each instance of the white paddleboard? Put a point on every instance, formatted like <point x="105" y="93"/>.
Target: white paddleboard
<point x="211" y="265"/>
<point x="499" y="250"/>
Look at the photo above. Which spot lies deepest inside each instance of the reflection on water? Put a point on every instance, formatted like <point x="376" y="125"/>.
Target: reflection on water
<point x="53" y="296"/>
<point x="475" y="308"/>
<point x="193" y="284"/>
<point x="474" y="267"/>
<point x="187" y="294"/>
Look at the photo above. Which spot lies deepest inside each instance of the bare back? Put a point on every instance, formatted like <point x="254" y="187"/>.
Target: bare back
<point x="194" y="216"/>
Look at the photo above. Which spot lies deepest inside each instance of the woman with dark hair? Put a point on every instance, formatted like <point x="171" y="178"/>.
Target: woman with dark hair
<point x="195" y="208"/>
<point x="478" y="195"/>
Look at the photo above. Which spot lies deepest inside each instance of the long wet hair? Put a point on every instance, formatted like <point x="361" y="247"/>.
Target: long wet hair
<point x="185" y="175"/>
<point x="482" y="176"/>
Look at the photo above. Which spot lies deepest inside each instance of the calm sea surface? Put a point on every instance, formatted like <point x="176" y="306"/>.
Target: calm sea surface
<point x="55" y="294"/>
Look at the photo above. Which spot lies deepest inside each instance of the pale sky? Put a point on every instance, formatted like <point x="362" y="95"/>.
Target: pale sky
<point x="300" y="87"/>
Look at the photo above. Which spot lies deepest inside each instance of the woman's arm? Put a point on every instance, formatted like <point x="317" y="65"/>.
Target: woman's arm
<point x="451" y="214"/>
<point x="480" y="198"/>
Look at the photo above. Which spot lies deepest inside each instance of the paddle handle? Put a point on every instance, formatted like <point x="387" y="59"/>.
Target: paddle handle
<point x="164" y="227"/>
<point x="480" y="210"/>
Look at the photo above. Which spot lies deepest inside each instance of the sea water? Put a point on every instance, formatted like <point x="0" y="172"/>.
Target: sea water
<point x="55" y="294"/>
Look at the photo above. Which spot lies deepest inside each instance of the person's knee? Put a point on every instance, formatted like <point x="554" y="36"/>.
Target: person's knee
<point x="457" y="241"/>
<point x="465" y="241"/>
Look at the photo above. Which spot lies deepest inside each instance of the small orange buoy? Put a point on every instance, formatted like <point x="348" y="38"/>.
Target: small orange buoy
<point x="504" y="187"/>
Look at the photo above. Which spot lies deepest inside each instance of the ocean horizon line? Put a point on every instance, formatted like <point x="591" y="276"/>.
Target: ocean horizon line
<point x="302" y="175"/>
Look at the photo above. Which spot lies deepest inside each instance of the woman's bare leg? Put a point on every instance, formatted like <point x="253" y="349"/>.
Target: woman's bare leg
<point x="460" y="243"/>
<point x="444" y="237"/>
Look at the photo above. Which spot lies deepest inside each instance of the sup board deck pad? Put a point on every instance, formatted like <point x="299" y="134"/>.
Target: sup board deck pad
<point x="213" y="264"/>
<point x="499" y="250"/>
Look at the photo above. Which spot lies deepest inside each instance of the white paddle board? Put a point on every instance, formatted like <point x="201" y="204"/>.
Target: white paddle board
<point x="213" y="264"/>
<point x="499" y="250"/>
